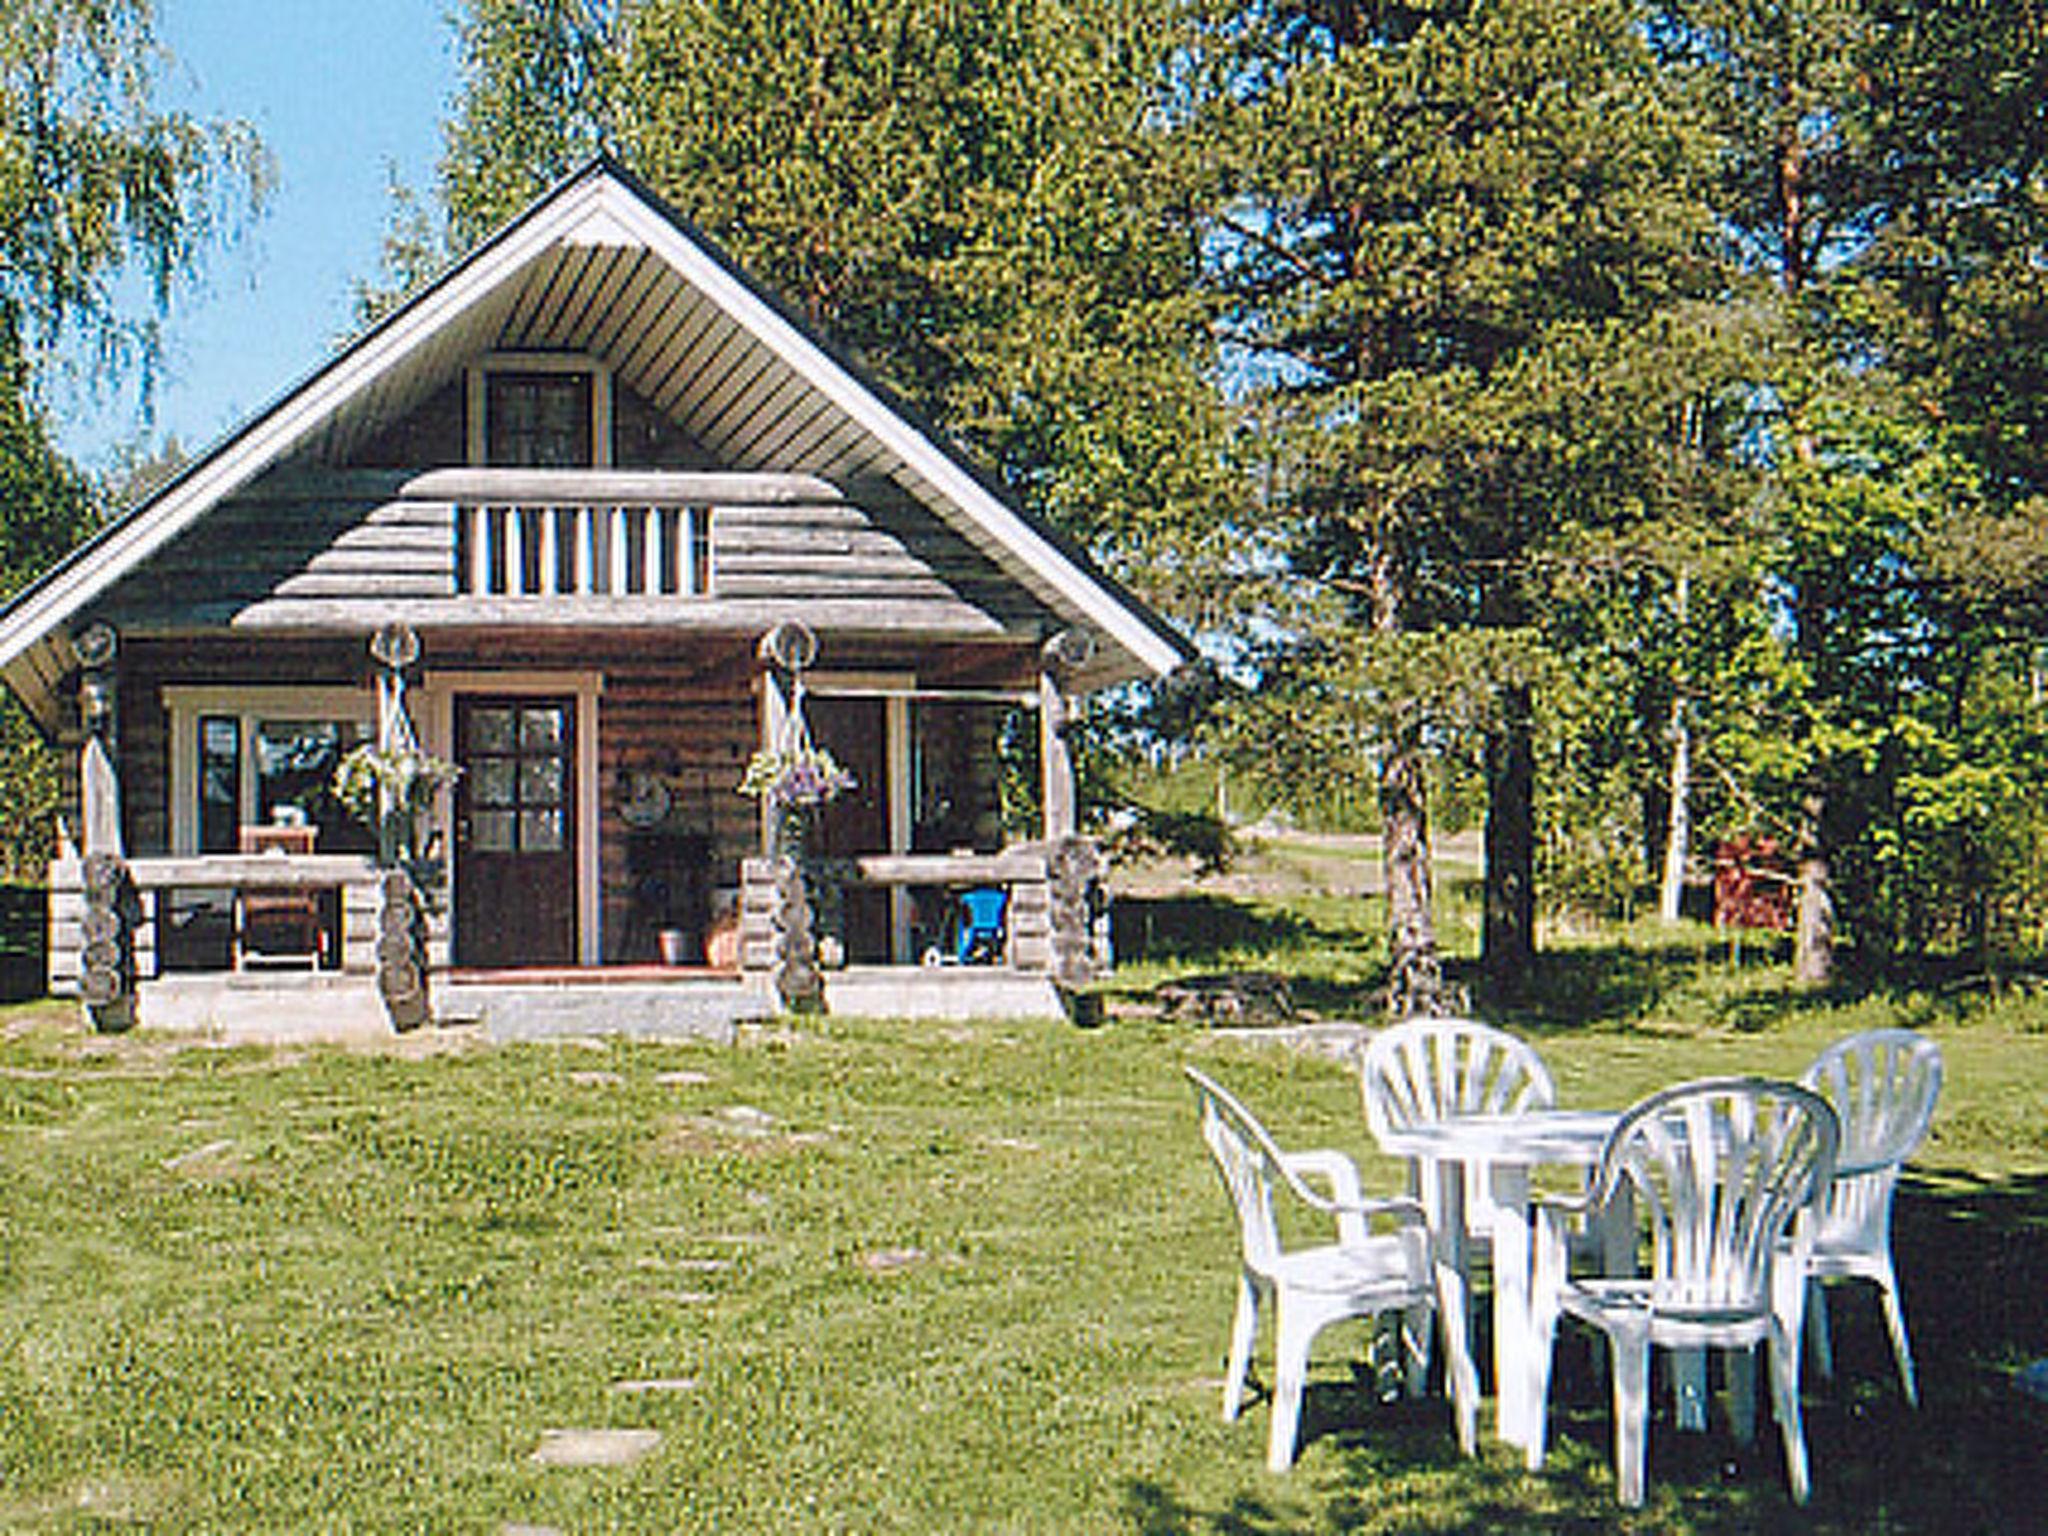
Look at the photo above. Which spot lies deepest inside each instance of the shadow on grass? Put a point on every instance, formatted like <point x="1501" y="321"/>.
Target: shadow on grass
<point x="1199" y="928"/>
<point x="1973" y="1260"/>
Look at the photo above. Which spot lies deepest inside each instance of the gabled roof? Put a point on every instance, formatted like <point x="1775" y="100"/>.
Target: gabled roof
<point x="600" y="263"/>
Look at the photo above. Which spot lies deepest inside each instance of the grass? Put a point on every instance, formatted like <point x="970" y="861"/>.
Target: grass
<point x="893" y="1277"/>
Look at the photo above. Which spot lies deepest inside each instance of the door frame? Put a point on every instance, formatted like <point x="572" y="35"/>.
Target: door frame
<point x="438" y="692"/>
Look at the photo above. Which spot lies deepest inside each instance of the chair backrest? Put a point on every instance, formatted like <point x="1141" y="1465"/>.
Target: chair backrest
<point x="1720" y="1170"/>
<point x="281" y="837"/>
<point x="982" y="908"/>
<point x="1882" y="1085"/>
<point x="1249" y="1163"/>
<point x="1422" y="1070"/>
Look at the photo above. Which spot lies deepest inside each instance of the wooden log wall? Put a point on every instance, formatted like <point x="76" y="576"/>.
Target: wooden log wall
<point x="694" y="741"/>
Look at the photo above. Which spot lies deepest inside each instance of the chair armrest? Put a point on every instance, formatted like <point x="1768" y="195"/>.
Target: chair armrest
<point x="1333" y="1167"/>
<point x="1346" y="1201"/>
<point x="1542" y="1203"/>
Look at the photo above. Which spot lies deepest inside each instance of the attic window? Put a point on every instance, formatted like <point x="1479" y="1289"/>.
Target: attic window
<point x="540" y="410"/>
<point x="537" y="420"/>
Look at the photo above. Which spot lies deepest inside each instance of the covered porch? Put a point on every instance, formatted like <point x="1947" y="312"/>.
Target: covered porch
<point x="596" y="839"/>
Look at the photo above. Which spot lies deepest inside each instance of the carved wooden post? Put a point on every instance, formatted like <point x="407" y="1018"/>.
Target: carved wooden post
<point x="402" y="952"/>
<point x="112" y="905"/>
<point x="778" y="938"/>
<point x="1074" y="874"/>
<point x="99" y="782"/>
<point x="1061" y="658"/>
<point x="106" y="962"/>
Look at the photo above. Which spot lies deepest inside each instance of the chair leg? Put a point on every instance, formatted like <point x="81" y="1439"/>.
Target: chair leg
<point x="1689" y="1387"/>
<point x="1243" y="1330"/>
<point x="1543" y="1354"/>
<point x="1895" y="1322"/>
<point x="1292" y="1334"/>
<point x="1817" y="1329"/>
<point x="1631" y="1347"/>
<point x="1416" y="1325"/>
<point x="1785" y="1403"/>
<point x="1742" y="1394"/>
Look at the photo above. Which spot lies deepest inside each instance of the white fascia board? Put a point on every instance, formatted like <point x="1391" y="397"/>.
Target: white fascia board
<point x="767" y="324"/>
<point x="271" y="436"/>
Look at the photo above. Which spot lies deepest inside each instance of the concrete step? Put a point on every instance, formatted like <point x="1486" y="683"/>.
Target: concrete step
<point x="683" y="1010"/>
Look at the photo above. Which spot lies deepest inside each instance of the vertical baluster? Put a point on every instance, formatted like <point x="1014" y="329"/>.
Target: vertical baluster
<point x="515" y="549"/>
<point x="618" y="571"/>
<point x="582" y="529"/>
<point x="477" y="520"/>
<point x="550" y="553"/>
<point x="650" y="550"/>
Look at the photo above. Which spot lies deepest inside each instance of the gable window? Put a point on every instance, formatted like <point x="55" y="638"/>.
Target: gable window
<point x="537" y="420"/>
<point x="540" y="410"/>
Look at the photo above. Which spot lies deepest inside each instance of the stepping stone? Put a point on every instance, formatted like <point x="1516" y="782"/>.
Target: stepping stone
<point x="682" y="1079"/>
<point x="529" y="1530"/>
<point x="657" y="1384"/>
<point x="595" y="1447"/>
<point x="196" y="1155"/>
<point x="883" y="1260"/>
<point x="596" y="1079"/>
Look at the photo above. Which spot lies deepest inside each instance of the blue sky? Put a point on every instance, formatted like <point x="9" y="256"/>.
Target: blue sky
<point x="339" y="89"/>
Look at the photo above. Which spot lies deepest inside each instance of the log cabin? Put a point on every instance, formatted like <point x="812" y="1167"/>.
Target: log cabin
<point x="593" y="518"/>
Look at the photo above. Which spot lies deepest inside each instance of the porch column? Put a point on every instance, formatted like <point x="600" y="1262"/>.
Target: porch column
<point x="111" y="909"/>
<point x="778" y="693"/>
<point x="1060" y="659"/>
<point x="776" y="925"/>
<point x="99" y="784"/>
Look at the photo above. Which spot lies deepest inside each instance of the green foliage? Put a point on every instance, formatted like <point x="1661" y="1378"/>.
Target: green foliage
<point x="98" y="180"/>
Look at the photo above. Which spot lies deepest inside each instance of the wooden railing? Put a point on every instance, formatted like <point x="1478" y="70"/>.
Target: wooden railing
<point x="1049" y="922"/>
<point x="523" y="550"/>
<point x="595" y="532"/>
<point x="156" y="880"/>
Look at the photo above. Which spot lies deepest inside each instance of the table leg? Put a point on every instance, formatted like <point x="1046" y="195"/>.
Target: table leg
<point x="1513" y="1257"/>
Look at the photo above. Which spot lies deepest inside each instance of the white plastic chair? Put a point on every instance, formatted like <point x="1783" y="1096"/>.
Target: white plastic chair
<point x="1882" y="1085"/>
<point x="1422" y="1070"/>
<point x="1727" y="1175"/>
<point x="1362" y="1274"/>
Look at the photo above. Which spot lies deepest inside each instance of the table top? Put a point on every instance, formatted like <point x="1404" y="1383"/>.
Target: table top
<point x="1534" y="1136"/>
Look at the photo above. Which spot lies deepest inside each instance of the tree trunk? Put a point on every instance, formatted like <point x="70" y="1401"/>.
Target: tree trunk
<point x="1813" y="944"/>
<point x="1508" y="929"/>
<point x="1678" y="823"/>
<point x="1415" y="982"/>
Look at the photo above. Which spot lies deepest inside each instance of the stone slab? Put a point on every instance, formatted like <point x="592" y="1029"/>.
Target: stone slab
<point x="595" y="1447"/>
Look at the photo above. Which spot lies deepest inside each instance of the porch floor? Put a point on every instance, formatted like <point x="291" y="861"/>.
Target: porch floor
<point x="653" y="1002"/>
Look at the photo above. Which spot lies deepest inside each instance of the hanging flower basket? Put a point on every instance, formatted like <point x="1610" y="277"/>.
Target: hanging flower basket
<point x="392" y="789"/>
<point x="804" y="776"/>
<point x="795" y="783"/>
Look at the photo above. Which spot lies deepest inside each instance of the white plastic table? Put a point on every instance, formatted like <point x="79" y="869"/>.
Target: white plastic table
<point x="1509" y="1147"/>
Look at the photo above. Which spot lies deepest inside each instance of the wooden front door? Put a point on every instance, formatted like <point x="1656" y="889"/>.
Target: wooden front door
<point x="855" y="731"/>
<point x="515" y="830"/>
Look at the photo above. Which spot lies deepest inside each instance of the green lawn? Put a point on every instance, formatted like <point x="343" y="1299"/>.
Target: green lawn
<point x="916" y="1278"/>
